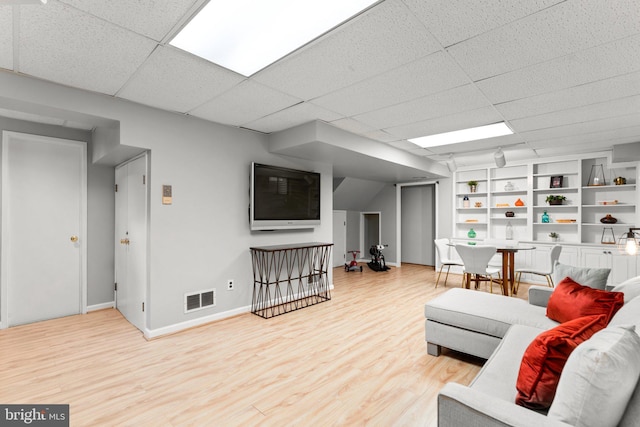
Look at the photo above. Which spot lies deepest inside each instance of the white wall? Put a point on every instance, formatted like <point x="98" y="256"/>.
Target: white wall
<point x="203" y="239"/>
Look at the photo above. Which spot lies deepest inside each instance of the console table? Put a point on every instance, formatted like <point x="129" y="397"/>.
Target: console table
<point x="289" y="277"/>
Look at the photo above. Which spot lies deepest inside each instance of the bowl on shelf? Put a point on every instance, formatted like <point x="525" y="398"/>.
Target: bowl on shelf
<point x="608" y="219"/>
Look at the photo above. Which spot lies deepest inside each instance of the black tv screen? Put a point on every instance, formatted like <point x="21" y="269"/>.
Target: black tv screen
<point x="284" y="198"/>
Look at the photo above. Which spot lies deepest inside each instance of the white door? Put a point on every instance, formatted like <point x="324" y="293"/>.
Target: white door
<point x="339" y="238"/>
<point x="131" y="240"/>
<point x="44" y="188"/>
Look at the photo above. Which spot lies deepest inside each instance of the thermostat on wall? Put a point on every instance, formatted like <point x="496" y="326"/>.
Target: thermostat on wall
<point x="167" y="199"/>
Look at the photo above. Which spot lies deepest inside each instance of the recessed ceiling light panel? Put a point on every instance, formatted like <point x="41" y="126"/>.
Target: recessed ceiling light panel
<point x="247" y="35"/>
<point x="464" y="135"/>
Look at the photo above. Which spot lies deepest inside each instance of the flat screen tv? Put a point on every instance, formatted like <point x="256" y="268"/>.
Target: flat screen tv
<point x="283" y="198"/>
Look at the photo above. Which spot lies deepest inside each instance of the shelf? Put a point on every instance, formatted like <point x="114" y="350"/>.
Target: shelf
<point x="543" y="175"/>
<point x="599" y="224"/>
<point x="609" y="187"/>
<point x="556" y="190"/>
<point x="472" y="194"/>
<point x="555" y="223"/>
<point x="617" y="205"/>
<point x="506" y="218"/>
<point x="518" y="208"/>
<point x="555" y="206"/>
<point x="507" y="193"/>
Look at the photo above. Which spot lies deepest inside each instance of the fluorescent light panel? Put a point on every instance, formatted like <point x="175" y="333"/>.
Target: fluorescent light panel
<point x="471" y="134"/>
<point x="247" y="35"/>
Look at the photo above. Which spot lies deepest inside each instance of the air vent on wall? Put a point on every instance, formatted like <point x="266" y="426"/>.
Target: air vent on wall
<point x="199" y="300"/>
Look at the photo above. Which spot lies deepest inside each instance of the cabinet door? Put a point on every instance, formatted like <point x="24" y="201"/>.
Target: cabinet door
<point x="623" y="267"/>
<point x="595" y="258"/>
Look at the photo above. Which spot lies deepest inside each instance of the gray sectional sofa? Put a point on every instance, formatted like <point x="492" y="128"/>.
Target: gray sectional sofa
<point x="500" y="329"/>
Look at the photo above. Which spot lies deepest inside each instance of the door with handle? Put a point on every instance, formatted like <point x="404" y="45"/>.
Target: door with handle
<point x="131" y="240"/>
<point x="44" y="210"/>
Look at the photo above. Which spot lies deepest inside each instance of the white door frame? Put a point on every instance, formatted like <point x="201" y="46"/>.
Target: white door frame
<point x="4" y="297"/>
<point x="365" y="251"/>
<point x="145" y="290"/>
<point x="399" y="213"/>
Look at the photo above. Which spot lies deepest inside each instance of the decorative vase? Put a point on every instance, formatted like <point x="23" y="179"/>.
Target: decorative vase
<point x="620" y="180"/>
<point x="473" y="188"/>
<point x="519" y="202"/>
<point x="509" y="231"/>
<point x="608" y="219"/>
<point x="465" y="202"/>
<point x="545" y="218"/>
<point x="509" y="214"/>
<point x="471" y="234"/>
<point x="508" y="186"/>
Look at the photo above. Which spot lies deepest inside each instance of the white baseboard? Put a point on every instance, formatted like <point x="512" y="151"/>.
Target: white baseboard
<point x="102" y="306"/>
<point x="155" y="333"/>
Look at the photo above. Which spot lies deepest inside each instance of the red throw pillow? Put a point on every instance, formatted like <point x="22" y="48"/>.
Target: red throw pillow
<point x="545" y="357"/>
<point x="571" y="300"/>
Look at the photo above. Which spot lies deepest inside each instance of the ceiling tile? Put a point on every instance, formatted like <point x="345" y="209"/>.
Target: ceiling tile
<point x="6" y="37"/>
<point x="290" y="117"/>
<point x="151" y="18"/>
<point x="60" y="44"/>
<point x="618" y="107"/>
<point x="578" y="131"/>
<point x="425" y="76"/>
<point x="381" y="39"/>
<point x="467" y="119"/>
<point x="601" y="62"/>
<point x="577" y="96"/>
<point x="444" y="103"/>
<point x="244" y="103"/>
<point x="613" y="136"/>
<point x="452" y="21"/>
<point x="557" y="31"/>
<point x="175" y="80"/>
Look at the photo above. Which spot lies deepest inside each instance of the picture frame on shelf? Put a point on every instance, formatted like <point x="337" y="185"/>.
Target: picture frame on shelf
<point x="556" y="181"/>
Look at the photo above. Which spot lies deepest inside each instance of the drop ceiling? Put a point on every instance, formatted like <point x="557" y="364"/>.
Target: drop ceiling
<point x="564" y="75"/>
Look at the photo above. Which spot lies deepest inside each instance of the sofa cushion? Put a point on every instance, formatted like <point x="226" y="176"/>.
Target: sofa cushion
<point x="545" y="357"/>
<point x="630" y="288"/>
<point x="592" y="277"/>
<point x="629" y="314"/>
<point x="485" y="313"/>
<point x="599" y="379"/>
<point x="571" y="300"/>
<point x="499" y="374"/>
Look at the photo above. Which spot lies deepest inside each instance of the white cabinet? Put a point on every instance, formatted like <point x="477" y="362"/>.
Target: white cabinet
<point x="622" y="266"/>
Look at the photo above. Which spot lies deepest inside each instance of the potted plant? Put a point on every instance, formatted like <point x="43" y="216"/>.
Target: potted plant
<point x="473" y="186"/>
<point x="554" y="236"/>
<point x="555" y="200"/>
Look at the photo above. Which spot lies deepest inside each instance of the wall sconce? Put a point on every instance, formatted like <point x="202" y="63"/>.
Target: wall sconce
<point x="499" y="158"/>
<point x="629" y="242"/>
<point x="451" y="163"/>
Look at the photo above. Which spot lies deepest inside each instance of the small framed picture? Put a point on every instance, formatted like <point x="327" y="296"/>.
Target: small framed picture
<point x="556" y="182"/>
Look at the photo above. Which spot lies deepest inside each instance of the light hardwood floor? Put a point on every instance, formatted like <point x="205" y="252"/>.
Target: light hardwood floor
<point x="359" y="359"/>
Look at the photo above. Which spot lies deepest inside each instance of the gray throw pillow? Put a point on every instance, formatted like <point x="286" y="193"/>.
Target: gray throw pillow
<point x="630" y="288"/>
<point x="592" y="277"/>
<point x="598" y="379"/>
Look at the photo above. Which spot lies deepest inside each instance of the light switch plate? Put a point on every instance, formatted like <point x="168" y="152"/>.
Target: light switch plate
<point x="167" y="198"/>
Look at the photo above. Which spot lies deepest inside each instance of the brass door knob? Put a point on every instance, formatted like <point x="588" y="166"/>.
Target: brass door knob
<point x="74" y="239"/>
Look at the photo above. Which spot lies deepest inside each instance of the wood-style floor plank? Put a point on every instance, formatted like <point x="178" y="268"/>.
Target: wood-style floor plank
<point x="359" y="359"/>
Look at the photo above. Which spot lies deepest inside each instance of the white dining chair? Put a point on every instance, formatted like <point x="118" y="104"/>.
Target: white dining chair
<point x="547" y="272"/>
<point x="476" y="263"/>
<point x="443" y="248"/>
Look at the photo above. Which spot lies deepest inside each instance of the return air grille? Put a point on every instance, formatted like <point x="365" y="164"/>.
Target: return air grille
<point x="199" y="300"/>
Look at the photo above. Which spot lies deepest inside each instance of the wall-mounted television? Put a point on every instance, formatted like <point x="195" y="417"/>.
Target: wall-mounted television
<point x="283" y="198"/>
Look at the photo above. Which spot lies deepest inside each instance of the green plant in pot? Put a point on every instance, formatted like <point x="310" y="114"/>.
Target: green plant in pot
<point x="554" y="236"/>
<point x="555" y="199"/>
<point x="473" y="186"/>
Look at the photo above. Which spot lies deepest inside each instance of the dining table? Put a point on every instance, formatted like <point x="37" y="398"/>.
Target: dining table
<point x="508" y="252"/>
